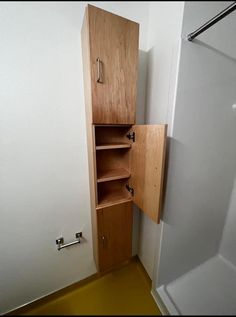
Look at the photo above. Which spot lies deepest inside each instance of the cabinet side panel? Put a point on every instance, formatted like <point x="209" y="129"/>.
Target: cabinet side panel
<point x="86" y="68"/>
<point x="114" y="40"/>
<point x="90" y="131"/>
<point x="147" y="168"/>
<point x="115" y="234"/>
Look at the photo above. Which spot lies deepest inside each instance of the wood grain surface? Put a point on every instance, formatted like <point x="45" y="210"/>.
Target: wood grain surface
<point x="147" y="168"/>
<point x="114" y="234"/>
<point x="115" y="41"/>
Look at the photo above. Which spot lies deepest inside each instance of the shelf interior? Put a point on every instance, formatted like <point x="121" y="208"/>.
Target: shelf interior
<point x="112" y="174"/>
<point x="113" y="170"/>
<point x="112" y="160"/>
<point x="112" y="192"/>
<point x="112" y="135"/>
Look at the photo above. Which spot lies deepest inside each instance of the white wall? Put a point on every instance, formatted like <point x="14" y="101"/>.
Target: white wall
<point x="202" y="161"/>
<point x="164" y="30"/>
<point x="224" y="43"/>
<point x="44" y="190"/>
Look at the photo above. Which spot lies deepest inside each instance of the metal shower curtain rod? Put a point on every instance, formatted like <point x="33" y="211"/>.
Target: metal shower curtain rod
<point x="212" y="21"/>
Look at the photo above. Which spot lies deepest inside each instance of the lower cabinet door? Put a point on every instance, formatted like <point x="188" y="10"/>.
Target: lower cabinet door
<point x="114" y="234"/>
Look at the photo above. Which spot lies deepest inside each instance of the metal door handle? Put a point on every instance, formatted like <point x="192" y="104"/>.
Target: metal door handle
<point x="99" y="62"/>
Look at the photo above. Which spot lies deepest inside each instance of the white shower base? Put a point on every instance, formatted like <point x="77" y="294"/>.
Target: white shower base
<point x="209" y="289"/>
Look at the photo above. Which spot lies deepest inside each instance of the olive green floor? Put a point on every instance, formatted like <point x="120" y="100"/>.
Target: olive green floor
<point x="124" y="291"/>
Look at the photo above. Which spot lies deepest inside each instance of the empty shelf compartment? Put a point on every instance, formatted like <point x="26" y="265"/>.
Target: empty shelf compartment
<point x="112" y="192"/>
<point x="114" y="137"/>
<point x="112" y="174"/>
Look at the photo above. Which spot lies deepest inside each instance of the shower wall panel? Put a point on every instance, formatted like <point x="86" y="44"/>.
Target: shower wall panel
<point x="202" y="160"/>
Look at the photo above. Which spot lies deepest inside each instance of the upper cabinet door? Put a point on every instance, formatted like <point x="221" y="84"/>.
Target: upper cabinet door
<point x="113" y="42"/>
<point x="147" y="168"/>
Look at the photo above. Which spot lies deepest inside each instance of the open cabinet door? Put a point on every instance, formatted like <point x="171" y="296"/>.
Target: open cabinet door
<point x="147" y="168"/>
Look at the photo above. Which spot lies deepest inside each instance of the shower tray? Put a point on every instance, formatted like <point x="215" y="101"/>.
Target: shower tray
<point x="209" y="289"/>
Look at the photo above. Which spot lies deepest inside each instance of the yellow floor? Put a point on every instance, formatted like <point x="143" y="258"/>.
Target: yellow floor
<point x="124" y="291"/>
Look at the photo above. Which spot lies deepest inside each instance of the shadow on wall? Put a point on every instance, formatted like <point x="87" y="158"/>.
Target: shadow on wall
<point x="154" y="109"/>
<point x="201" y="154"/>
<point x="146" y="85"/>
<point x="168" y="142"/>
<point x="146" y="67"/>
<point x="141" y="87"/>
<point x="140" y="119"/>
<point x="217" y="51"/>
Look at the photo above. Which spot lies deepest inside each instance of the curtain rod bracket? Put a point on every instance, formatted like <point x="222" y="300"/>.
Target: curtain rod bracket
<point x="212" y="21"/>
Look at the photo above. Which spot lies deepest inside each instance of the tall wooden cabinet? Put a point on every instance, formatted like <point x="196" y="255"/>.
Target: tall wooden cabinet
<point x="126" y="161"/>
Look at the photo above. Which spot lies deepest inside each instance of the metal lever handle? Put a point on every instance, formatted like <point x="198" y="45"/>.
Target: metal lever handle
<point x="61" y="245"/>
<point x="99" y="80"/>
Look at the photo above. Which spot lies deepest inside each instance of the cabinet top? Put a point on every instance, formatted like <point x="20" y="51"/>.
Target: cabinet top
<point x="92" y="7"/>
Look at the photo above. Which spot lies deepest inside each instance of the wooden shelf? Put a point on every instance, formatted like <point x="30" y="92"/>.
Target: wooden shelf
<point x="113" y="146"/>
<point x="112" y="174"/>
<point x="113" y="198"/>
<point x="113" y="203"/>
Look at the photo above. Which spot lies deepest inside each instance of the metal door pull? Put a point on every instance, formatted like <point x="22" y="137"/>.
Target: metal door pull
<point x="99" y="79"/>
<point x="61" y="245"/>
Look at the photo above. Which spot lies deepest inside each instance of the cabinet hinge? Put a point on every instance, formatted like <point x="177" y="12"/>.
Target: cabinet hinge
<point x="131" y="136"/>
<point x="130" y="189"/>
